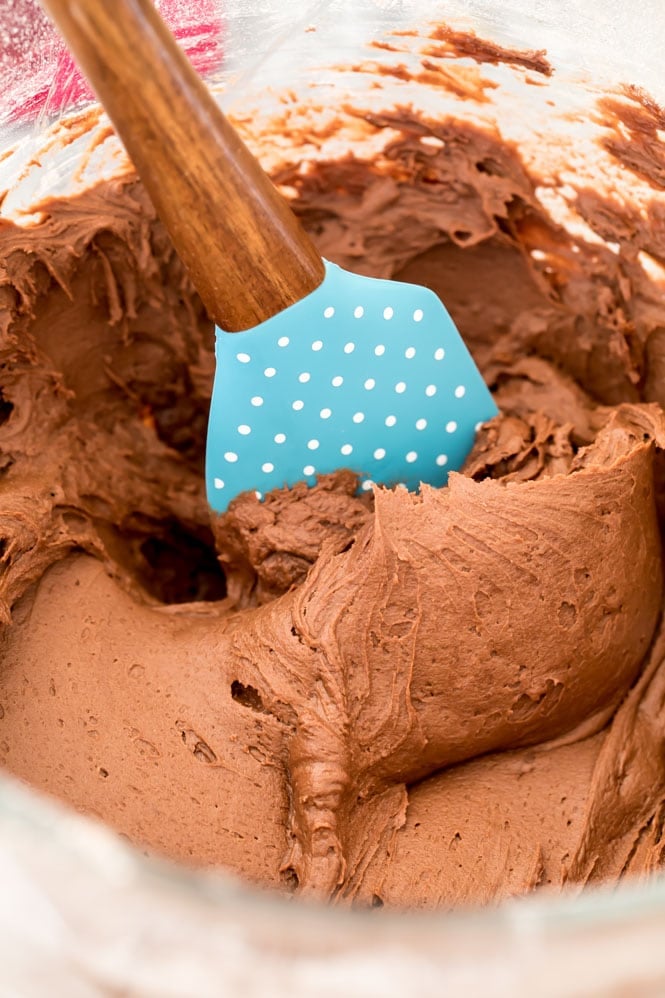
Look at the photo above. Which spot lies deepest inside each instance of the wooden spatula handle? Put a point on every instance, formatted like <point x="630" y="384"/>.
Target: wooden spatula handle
<point x="241" y="243"/>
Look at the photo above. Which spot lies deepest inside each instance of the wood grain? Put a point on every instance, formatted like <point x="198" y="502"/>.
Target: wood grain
<point x="241" y="243"/>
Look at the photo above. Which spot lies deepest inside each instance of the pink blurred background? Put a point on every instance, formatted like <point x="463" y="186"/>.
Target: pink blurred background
<point x="39" y="77"/>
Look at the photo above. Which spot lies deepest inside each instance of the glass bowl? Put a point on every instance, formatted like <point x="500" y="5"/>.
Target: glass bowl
<point x="85" y="913"/>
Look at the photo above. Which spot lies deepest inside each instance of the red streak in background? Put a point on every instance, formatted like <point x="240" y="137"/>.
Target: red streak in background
<point x="42" y="76"/>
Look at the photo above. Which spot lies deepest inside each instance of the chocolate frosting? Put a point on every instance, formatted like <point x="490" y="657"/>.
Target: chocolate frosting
<point x="410" y="699"/>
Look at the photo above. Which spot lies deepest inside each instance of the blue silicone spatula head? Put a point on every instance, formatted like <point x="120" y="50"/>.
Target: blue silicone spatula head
<point x="365" y="374"/>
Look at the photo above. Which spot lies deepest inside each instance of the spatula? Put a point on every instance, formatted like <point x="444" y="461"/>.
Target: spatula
<point x="317" y="368"/>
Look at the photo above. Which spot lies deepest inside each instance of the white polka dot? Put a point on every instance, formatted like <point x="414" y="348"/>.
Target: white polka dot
<point x="421" y="424"/>
<point x="400" y="387"/>
<point x="280" y="438"/>
<point x="391" y="420"/>
<point x="388" y="312"/>
<point x="367" y="485"/>
<point x="439" y="354"/>
<point x="460" y="392"/>
<point x="317" y="345"/>
<point x="267" y="467"/>
<point x="412" y="456"/>
<point x="369" y="384"/>
<point x="325" y="413"/>
<point x="337" y="381"/>
<point x="358" y="417"/>
<point x="417" y="315"/>
<point x="309" y="469"/>
<point x="477" y="426"/>
<point x="230" y="457"/>
<point x="379" y="453"/>
<point x="379" y="350"/>
<point x="297" y="405"/>
<point x="349" y="347"/>
<point x="244" y="358"/>
<point x="358" y="312"/>
<point x="328" y="312"/>
<point x="270" y="372"/>
<point x="451" y="426"/>
<point x="304" y="377"/>
<point x="244" y="429"/>
<point x="430" y="390"/>
<point x="442" y="460"/>
<point x="256" y="400"/>
<point x="259" y="495"/>
<point x="313" y="444"/>
<point x="283" y="341"/>
<point x="401" y="485"/>
<point x="346" y="449"/>
<point x="410" y="352"/>
<point x="219" y="483"/>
